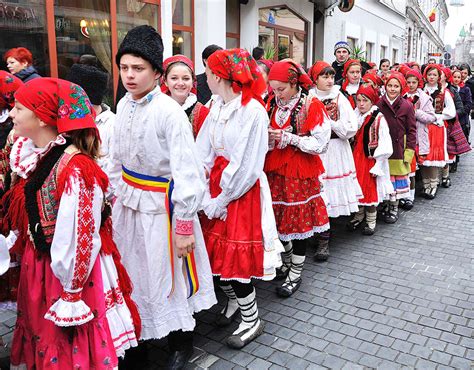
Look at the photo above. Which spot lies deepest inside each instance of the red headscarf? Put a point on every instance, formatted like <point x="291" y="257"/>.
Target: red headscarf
<point x="287" y="70"/>
<point x="403" y="69"/>
<point x="238" y="66"/>
<point x="430" y="67"/>
<point x="414" y="73"/>
<point x="400" y="78"/>
<point x="178" y="58"/>
<point x="269" y="63"/>
<point x="370" y="92"/>
<point x="350" y="63"/>
<point x="316" y="69"/>
<point x="58" y="103"/>
<point x="448" y="73"/>
<point x="8" y="85"/>
<point x="372" y="76"/>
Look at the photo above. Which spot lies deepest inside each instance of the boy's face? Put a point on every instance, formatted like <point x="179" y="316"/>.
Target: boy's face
<point x="138" y="76"/>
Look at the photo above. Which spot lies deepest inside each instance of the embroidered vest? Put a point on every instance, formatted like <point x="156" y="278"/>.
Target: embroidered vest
<point x="331" y="108"/>
<point x="300" y="118"/>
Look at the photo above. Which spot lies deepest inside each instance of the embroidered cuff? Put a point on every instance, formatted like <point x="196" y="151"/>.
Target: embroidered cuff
<point x="69" y="310"/>
<point x="284" y="141"/>
<point x="184" y="227"/>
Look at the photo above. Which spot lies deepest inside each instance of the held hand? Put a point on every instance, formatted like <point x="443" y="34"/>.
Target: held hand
<point x="274" y="134"/>
<point x="184" y="244"/>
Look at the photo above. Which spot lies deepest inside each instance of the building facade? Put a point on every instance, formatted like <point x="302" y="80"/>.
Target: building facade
<point x="424" y="38"/>
<point x="464" y="51"/>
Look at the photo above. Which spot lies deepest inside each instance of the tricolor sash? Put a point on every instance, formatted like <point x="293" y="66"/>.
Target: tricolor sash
<point x="163" y="185"/>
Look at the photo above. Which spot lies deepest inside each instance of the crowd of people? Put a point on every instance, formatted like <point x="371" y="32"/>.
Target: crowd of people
<point x="117" y="228"/>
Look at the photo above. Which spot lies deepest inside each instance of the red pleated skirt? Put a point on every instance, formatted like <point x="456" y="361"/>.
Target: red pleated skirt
<point x="235" y="246"/>
<point x="367" y="182"/>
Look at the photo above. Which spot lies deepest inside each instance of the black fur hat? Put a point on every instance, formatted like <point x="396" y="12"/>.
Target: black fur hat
<point x="144" y="42"/>
<point x="93" y="80"/>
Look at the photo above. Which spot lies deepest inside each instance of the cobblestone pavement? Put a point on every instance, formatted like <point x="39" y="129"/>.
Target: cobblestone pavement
<point x="401" y="298"/>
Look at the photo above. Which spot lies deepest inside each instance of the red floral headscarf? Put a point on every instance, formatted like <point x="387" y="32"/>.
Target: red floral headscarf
<point x="430" y="67"/>
<point x="288" y="70"/>
<point x="448" y="73"/>
<point x="238" y="66"/>
<point x="350" y="63"/>
<point x="8" y="85"/>
<point x="178" y="58"/>
<point x="400" y="78"/>
<point x="316" y="69"/>
<point x="370" y="92"/>
<point x="58" y="103"/>
<point x="414" y="73"/>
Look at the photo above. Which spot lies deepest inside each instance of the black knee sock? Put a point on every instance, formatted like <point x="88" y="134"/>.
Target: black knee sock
<point x="180" y="340"/>
<point x="241" y="290"/>
<point x="299" y="247"/>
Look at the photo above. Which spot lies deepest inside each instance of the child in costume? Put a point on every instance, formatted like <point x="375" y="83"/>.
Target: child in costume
<point x="352" y="80"/>
<point x="239" y="225"/>
<point x="372" y="148"/>
<point x="159" y="193"/>
<point x="341" y="188"/>
<point x="299" y="132"/>
<point x="400" y="117"/>
<point x="74" y="305"/>
<point x="179" y="82"/>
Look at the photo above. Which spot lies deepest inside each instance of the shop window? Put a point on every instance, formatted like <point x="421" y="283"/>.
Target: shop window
<point x="183" y="27"/>
<point x="83" y="34"/>
<point x="24" y="24"/>
<point x="132" y="13"/>
<point x="232" y="20"/>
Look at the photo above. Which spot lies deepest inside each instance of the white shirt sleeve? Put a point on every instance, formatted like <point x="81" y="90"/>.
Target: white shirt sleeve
<point x="74" y="249"/>
<point x="346" y="126"/>
<point x="449" y="110"/>
<point x="384" y="150"/>
<point x="186" y="169"/>
<point x="247" y="157"/>
<point x="6" y="243"/>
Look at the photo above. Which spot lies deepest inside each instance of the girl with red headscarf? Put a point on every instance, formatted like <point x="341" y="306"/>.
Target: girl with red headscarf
<point x="239" y="229"/>
<point x="372" y="148"/>
<point x="74" y="304"/>
<point x="299" y="132"/>
<point x="445" y="109"/>
<point x="352" y="76"/>
<point x="341" y="187"/>
<point x="426" y="149"/>
<point x="179" y="82"/>
<point x="401" y="121"/>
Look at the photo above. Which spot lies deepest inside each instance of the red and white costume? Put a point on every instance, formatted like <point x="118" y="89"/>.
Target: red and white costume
<point x="372" y="148"/>
<point x="341" y="187"/>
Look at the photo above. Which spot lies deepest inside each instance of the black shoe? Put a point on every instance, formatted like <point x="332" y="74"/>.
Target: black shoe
<point x="223" y="321"/>
<point x="406" y="205"/>
<point x="390" y="218"/>
<point x="368" y="231"/>
<point x="430" y="193"/>
<point x="446" y="182"/>
<point x="287" y="289"/>
<point x="453" y="167"/>
<point x="179" y="359"/>
<point x="402" y="202"/>
<point x="238" y="341"/>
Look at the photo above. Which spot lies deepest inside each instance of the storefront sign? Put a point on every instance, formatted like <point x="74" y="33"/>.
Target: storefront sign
<point x="62" y="23"/>
<point x="14" y="12"/>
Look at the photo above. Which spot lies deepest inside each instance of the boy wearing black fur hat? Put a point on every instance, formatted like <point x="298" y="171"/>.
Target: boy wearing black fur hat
<point x="158" y="195"/>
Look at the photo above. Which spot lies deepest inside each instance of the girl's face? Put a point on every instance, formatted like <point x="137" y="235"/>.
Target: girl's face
<point x="457" y="78"/>
<point x="363" y="103"/>
<point x="464" y="74"/>
<point x="353" y="74"/>
<point x="25" y="122"/>
<point x="412" y="83"/>
<point x="385" y="66"/>
<point x="443" y="78"/>
<point x="393" y="88"/>
<point x="14" y="66"/>
<point x="179" y="81"/>
<point x="138" y="75"/>
<point x="325" y="82"/>
<point x="283" y="90"/>
<point x="432" y="77"/>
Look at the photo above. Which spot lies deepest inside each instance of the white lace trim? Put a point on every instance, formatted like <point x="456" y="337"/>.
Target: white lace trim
<point x="298" y="203"/>
<point x="434" y="163"/>
<point x="306" y="235"/>
<point x="64" y="313"/>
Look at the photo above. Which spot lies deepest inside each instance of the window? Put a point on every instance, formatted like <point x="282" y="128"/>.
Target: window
<point x="132" y="13"/>
<point x="394" y="56"/>
<point x="183" y="27"/>
<point x="383" y="52"/>
<point x="232" y="21"/>
<point x="352" y="42"/>
<point x="24" y="24"/>
<point x="284" y="32"/>
<point x="369" y="51"/>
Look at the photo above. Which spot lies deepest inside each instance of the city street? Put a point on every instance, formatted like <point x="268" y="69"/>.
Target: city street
<point x="402" y="298"/>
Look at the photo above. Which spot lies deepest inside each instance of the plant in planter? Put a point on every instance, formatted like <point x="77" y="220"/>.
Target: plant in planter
<point x="358" y="53"/>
